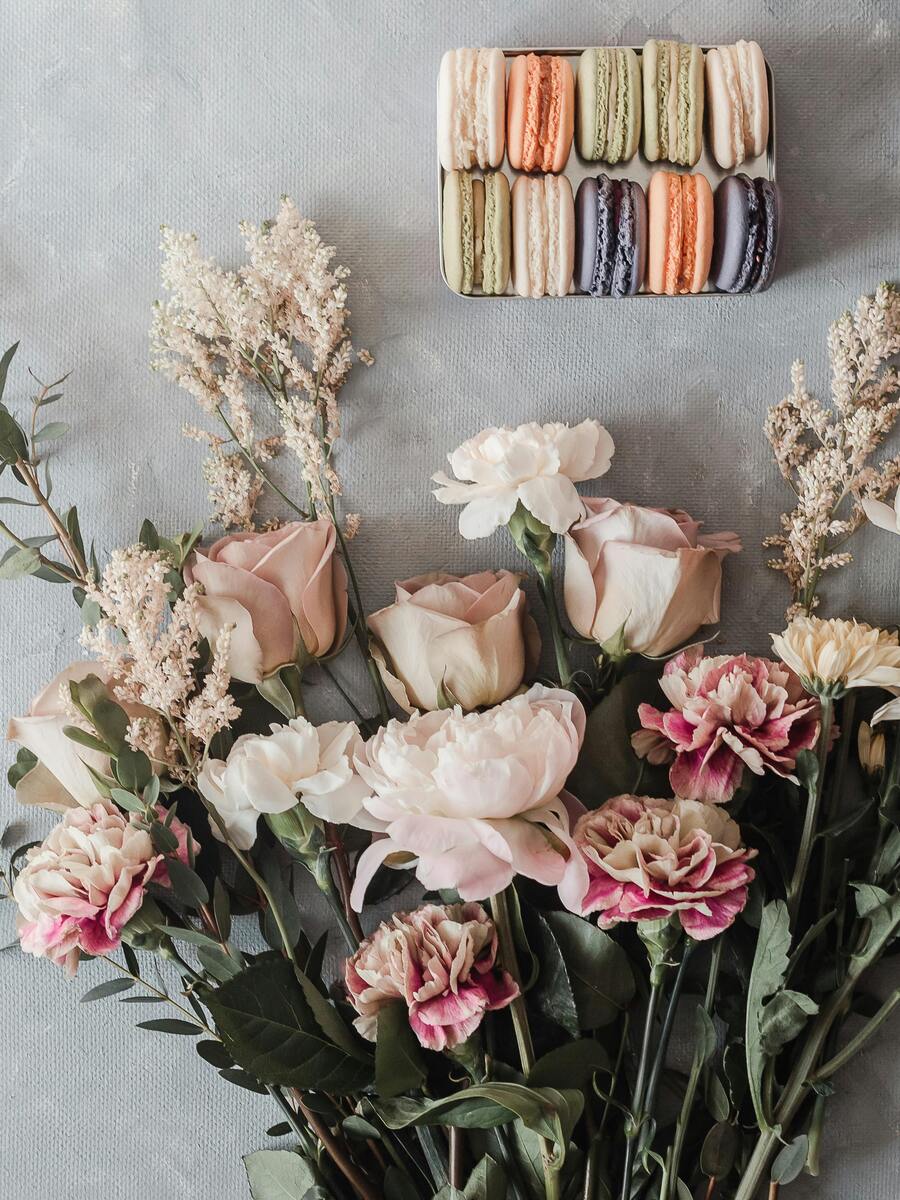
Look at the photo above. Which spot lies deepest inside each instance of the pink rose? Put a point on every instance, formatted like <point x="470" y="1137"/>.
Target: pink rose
<point x="284" y="592"/>
<point x="649" y="859"/>
<point x="727" y="714"/>
<point x="471" y="634"/>
<point x="85" y="882"/>
<point x="61" y="777"/>
<point x="441" y="963"/>
<point x="648" y="569"/>
<point x="475" y="798"/>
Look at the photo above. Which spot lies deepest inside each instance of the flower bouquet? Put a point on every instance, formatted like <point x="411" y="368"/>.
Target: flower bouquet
<point x="651" y="837"/>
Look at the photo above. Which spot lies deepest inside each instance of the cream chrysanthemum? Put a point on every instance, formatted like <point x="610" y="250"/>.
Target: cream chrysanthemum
<point x="832" y="656"/>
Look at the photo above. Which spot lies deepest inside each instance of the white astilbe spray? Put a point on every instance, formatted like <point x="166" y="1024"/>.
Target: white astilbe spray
<point x="152" y="647"/>
<point x="824" y="451"/>
<point x="279" y="322"/>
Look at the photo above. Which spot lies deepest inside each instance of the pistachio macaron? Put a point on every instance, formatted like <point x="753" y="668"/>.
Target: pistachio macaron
<point x="608" y="104"/>
<point x="477" y="232"/>
<point x="673" y="102"/>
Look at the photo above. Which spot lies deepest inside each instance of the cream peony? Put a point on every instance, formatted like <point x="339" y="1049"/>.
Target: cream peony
<point x="534" y="465"/>
<point x="648" y="569"/>
<point x="471" y="634"/>
<point x="885" y="516"/>
<point x="61" y="778"/>
<point x="267" y="773"/>
<point x="79" y="888"/>
<point x="650" y="859"/>
<point x="285" y="592"/>
<point x="832" y="656"/>
<point x="440" y="962"/>
<point x="474" y="799"/>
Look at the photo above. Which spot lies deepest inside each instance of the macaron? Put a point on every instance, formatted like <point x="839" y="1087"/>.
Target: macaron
<point x="540" y="112"/>
<point x="737" y="97"/>
<point x="680" y="214"/>
<point x="471" y="109"/>
<point x="611" y="237"/>
<point x="748" y="232"/>
<point x="477" y="232"/>
<point x="673" y="102"/>
<point x="543" y="235"/>
<point x="608" y="108"/>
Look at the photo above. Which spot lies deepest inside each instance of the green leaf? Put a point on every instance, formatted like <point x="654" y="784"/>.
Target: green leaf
<point x="770" y="963"/>
<point x="487" y="1181"/>
<point x="719" y="1150"/>
<point x="165" y="841"/>
<point x="126" y="800"/>
<point x="109" y="987"/>
<point x="192" y="936"/>
<point x="267" y="1021"/>
<point x="570" y="1065"/>
<point x="602" y="982"/>
<point x="358" y="1127"/>
<point x="133" y="769"/>
<point x="275" y="692"/>
<point x="148" y="537"/>
<point x="24" y="764"/>
<point x="790" y="1160"/>
<point x="807" y="769"/>
<point x="243" y="1079"/>
<point x="547" y="1112"/>
<point x="783" y="1018"/>
<point x="552" y="994"/>
<point x="7" y="358"/>
<point x="279" y="1175"/>
<point x="111" y="722"/>
<point x="19" y="562"/>
<point x="45" y="400"/>
<point x="399" y="1066"/>
<point x="705" y="1039"/>
<point x="398" y="1185"/>
<point x="221" y="909"/>
<point x="186" y="884"/>
<point x="171" y="1025"/>
<point x="75" y="734"/>
<point x="51" y="431"/>
<point x="716" y="1097"/>
<point x="215" y="1054"/>
<point x="217" y="963"/>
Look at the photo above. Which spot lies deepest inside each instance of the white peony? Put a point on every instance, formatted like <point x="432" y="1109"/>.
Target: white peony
<point x="268" y="773"/>
<point x="474" y="798"/>
<point x="535" y="465"/>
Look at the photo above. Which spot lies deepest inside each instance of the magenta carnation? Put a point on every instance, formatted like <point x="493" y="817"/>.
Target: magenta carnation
<point x="649" y="859"/>
<point x="438" y="961"/>
<point x="728" y="713"/>
<point x="85" y="882"/>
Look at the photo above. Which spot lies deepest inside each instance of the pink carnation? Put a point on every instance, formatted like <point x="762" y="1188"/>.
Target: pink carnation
<point x="728" y="714"/>
<point x="82" y="885"/>
<point x="648" y="859"/>
<point x="441" y="963"/>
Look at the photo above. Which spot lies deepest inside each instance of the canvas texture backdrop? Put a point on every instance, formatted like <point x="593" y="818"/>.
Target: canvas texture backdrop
<point x="118" y="115"/>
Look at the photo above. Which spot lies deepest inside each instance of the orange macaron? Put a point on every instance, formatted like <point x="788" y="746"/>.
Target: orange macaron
<point x="680" y="220"/>
<point x="540" y="112"/>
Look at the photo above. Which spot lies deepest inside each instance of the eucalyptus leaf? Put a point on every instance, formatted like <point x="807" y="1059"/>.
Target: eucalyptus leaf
<point x="186" y="883"/>
<point x="51" y="432"/>
<point x="279" y="1175"/>
<point x="7" y="358"/>
<point x="171" y="1025"/>
<point x="165" y="841"/>
<point x="111" y="722"/>
<point x="783" y="1019"/>
<point x="716" y="1097"/>
<point x="133" y="768"/>
<point x="126" y="800"/>
<point x="275" y="692"/>
<point x="719" y="1150"/>
<point x="109" y="987"/>
<point x="19" y="562"/>
<point x="81" y="736"/>
<point x="790" y="1160"/>
<point x="705" y="1039"/>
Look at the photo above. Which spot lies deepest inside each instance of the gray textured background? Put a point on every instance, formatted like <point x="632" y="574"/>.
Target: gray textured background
<point x="119" y="115"/>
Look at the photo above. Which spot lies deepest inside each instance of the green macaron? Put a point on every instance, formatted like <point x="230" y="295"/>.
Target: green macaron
<point x="673" y="102"/>
<point x="608" y="109"/>
<point x="477" y="232"/>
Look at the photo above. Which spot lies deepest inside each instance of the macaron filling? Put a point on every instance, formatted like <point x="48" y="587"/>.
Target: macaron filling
<point x="756" y="228"/>
<point x="689" y="234"/>
<point x="601" y="281"/>
<point x="602" y="102"/>
<point x="543" y="111"/>
<point x="626" y="247"/>
<point x="675" y="240"/>
<point x="662" y="92"/>
<point x="682" y="150"/>
<point x="616" y="150"/>
<point x="467" y="232"/>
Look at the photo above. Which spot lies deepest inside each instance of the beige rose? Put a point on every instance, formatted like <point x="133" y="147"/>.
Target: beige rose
<point x="645" y="568"/>
<point x="284" y="592"/>
<point x="472" y="634"/>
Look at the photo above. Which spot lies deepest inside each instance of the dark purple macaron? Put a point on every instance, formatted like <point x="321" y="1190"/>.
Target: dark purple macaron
<point x="611" y="237"/>
<point x="747" y="232"/>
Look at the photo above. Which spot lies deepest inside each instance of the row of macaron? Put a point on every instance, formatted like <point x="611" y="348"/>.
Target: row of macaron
<point x="613" y="239"/>
<point x="619" y="93"/>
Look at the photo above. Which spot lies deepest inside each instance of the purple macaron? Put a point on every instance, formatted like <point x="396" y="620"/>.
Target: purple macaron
<point x="747" y="234"/>
<point x="611" y="237"/>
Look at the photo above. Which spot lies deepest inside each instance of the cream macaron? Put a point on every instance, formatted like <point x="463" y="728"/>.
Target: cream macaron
<point x="471" y="109"/>
<point x="543" y="235"/>
<point x="737" y="98"/>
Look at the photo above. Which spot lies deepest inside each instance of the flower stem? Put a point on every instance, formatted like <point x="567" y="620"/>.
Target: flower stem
<point x="640" y="1084"/>
<point x="687" y="1105"/>
<point x="185" y="1012"/>
<point x="519" y="1013"/>
<point x="259" y="469"/>
<point x="548" y="595"/>
<point x="813" y="803"/>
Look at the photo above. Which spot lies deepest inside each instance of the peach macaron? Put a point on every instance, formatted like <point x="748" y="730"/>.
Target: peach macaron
<point x="681" y="233"/>
<point x="540" y="112"/>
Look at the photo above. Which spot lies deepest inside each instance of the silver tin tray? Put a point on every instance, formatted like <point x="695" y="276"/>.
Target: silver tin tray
<point x="638" y="169"/>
